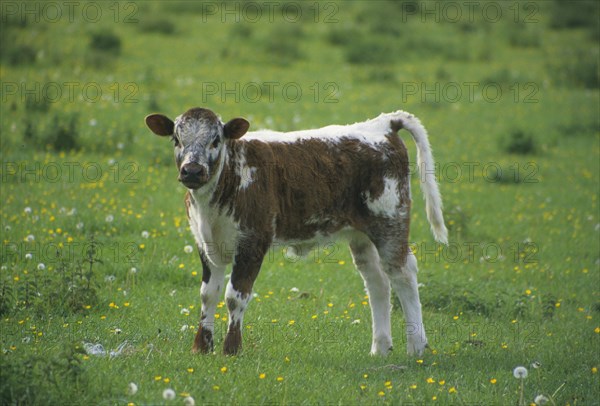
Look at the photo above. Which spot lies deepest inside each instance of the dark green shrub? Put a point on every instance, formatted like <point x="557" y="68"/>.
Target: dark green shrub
<point x="369" y="50"/>
<point x="42" y="379"/>
<point x="343" y="35"/>
<point x="19" y="55"/>
<point x="524" y="36"/>
<point x="283" y="43"/>
<point x="518" y="142"/>
<point x="241" y="30"/>
<point x="159" y="25"/>
<point x="36" y="103"/>
<point x="577" y="67"/>
<point x="105" y="42"/>
<point x="579" y="14"/>
<point x="62" y="133"/>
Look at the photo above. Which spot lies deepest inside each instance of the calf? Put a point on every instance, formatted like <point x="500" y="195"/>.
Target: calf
<point x="247" y="191"/>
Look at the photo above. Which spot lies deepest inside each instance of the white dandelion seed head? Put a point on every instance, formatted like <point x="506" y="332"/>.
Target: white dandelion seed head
<point x="3" y="267"/>
<point x="120" y="145"/>
<point x="540" y="400"/>
<point x="41" y="267"/>
<point x="28" y="255"/>
<point x="520" y="372"/>
<point x="118" y="330"/>
<point x="30" y="238"/>
<point x="26" y="340"/>
<point x="184" y="328"/>
<point x="133" y="270"/>
<point x="27" y="210"/>
<point x="145" y="234"/>
<point x="188" y="249"/>
<point x="109" y="218"/>
<point x="7" y="228"/>
<point x="132" y="388"/>
<point x="294" y="290"/>
<point x="185" y="311"/>
<point x="168" y="394"/>
<point x="79" y="225"/>
<point x="536" y="364"/>
<point x="110" y="278"/>
<point x="357" y="321"/>
<point x="93" y="122"/>
<point x="189" y="401"/>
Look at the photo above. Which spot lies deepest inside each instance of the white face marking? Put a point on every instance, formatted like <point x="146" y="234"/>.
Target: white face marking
<point x="386" y="205"/>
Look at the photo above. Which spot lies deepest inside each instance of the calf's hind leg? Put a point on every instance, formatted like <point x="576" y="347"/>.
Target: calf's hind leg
<point x="401" y="268"/>
<point x="366" y="260"/>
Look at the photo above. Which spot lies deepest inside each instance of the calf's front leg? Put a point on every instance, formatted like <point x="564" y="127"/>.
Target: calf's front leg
<point x="213" y="278"/>
<point x="248" y="259"/>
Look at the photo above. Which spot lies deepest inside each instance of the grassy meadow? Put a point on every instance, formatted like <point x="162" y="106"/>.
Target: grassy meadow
<point x="96" y="247"/>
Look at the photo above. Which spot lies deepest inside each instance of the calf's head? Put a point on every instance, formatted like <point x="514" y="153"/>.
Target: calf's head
<point x="200" y="138"/>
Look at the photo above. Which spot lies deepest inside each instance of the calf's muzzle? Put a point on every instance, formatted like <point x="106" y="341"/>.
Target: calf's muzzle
<point x="193" y="175"/>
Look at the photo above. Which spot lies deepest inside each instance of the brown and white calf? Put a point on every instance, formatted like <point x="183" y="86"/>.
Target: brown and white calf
<point x="247" y="191"/>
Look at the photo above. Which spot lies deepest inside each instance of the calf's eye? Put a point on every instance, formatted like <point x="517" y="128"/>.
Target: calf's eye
<point x="215" y="143"/>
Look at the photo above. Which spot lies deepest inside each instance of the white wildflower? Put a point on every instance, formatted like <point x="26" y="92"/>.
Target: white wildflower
<point x="27" y="210"/>
<point x="540" y="400"/>
<point x="188" y="249"/>
<point x="145" y="234"/>
<point x="41" y="266"/>
<point x="520" y="372"/>
<point x="132" y="389"/>
<point x="168" y="394"/>
<point x="189" y="401"/>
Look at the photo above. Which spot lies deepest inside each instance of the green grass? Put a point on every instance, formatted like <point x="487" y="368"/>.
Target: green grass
<point x="101" y="179"/>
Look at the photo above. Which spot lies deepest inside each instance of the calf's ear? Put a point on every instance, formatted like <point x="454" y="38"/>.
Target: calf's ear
<point x="160" y="124"/>
<point x="235" y="128"/>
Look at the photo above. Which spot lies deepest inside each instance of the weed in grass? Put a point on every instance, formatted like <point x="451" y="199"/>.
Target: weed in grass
<point x="369" y="51"/>
<point x="283" y="44"/>
<point x="241" y="30"/>
<point x="577" y="66"/>
<point x="565" y="15"/>
<point x="104" y="47"/>
<point x="62" y="134"/>
<point x="457" y="221"/>
<point x="345" y="35"/>
<point x="158" y="25"/>
<point x="42" y="378"/>
<point x="518" y="142"/>
<point x="106" y="42"/>
<point x="524" y="35"/>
